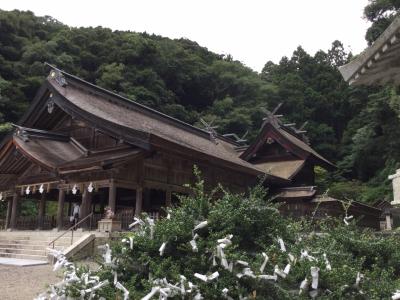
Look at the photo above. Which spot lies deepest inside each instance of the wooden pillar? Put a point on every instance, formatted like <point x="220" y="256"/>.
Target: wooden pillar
<point x="112" y="195"/>
<point x="42" y="211"/>
<point x="388" y="222"/>
<point x="8" y="215"/>
<point x="139" y="201"/>
<point x="85" y="208"/>
<point x="70" y="208"/>
<point x="60" y="209"/>
<point x="168" y="196"/>
<point x="14" y="214"/>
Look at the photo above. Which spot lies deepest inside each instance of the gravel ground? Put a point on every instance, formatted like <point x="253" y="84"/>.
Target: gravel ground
<point x="25" y="283"/>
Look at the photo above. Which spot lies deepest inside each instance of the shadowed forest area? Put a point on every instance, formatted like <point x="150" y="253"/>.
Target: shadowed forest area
<point x="354" y="127"/>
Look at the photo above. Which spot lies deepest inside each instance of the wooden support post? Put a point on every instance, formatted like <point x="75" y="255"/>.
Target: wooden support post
<point x="168" y="196"/>
<point x="60" y="209"/>
<point x="42" y="211"/>
<point x="70" y="208"/>
<point x="112" y="195"/>
<point x="85" y="206"/>
<point x="139" y="201"/>
<point x="13" y="220"/>
<point x="388" y="222"/>
<point x="8" y="216"/>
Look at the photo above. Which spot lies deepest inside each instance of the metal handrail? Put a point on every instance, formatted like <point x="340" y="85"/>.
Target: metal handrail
<point x="72" y="230"/>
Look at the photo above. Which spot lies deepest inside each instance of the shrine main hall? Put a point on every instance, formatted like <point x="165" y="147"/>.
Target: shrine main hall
<point x="79" y="143"/>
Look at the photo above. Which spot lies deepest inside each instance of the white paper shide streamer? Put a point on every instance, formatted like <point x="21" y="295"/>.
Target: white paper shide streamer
<point x="315" y="276"/>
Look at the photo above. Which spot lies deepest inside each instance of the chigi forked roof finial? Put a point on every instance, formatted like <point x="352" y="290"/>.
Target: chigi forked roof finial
<point x="56" y="75"/>
<point x="210" y="129"/>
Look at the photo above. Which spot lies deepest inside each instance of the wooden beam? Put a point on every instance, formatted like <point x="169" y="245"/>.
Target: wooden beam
<point x="60" y="209"/>
<point x="126" y="184"/>
<point x="168" y="198"/>
<point x="14" y="213"/>
<point x="42" y="210"/>
<point x="165" y="186"/>
<point x="112" y="195"/>
<point x="8" y="215"/>
<point x="139" y="201"/>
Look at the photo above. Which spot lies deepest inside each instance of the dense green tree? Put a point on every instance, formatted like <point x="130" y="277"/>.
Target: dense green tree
<point x="354" y="127"/>
<point x="381" y="14"/>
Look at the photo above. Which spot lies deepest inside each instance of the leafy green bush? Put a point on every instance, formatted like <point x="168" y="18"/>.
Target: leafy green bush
<point x="233" y="235"/>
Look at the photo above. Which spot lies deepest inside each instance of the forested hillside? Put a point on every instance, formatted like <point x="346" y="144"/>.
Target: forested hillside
<point x="356" y="128"/>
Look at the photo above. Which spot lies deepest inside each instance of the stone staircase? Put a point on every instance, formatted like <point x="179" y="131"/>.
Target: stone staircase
<point x="33" y="244"/>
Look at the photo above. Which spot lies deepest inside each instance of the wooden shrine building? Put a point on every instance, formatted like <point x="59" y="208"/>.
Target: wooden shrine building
<point x="79" y="143"/>
<point x="378" y="65"/>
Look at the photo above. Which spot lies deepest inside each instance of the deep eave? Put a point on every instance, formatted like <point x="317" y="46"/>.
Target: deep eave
<point x="379" y="63"/>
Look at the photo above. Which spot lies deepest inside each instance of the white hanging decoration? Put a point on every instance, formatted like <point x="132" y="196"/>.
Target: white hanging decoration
<point x="107" y="253"/>
<point x="287" y="269"/>
<point x="225" y="294"/>
<point x="314" y="275"/>
<point x="115" y="277"/>
<point x="248" y="272"/>
<point x="264" y="262"/>
<point x="396" y="295"/>
<point x="327" y="263"/>
<point x="119" y="286"/>
<point x="153" y="291"/>
<point x="131" y="242"/>
<point x="194" y="244"/>
<point x="268" y="277"/>
<point x="303" y="285"/>
<point x="162" y="248"/>
<point x="358" y="280"/>
<point x="74" y="189"/>
<point x="243" y="263"/>
<point x="227" y="240"/>
<point x="347" y="219"/>
<point x="206" y="278"/>
<point x="304" y="254"/>
<point x="137" y="221"/>
<point x="151" y="224"/>
<point x="41" y="189"/>
<point x="28" y="190"/>
<point x="200" y="225"/>
<point x="281" y="244"/>
<point x="90" y="187"/>
<point x="279" y="272"/>
<point x="1" y="196"/>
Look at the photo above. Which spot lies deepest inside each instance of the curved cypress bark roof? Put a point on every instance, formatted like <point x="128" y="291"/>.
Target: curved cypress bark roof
<point x="136" y="124"/>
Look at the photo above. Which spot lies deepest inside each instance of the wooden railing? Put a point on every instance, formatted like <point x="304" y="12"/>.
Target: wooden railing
<point x="72" y="228"/>
<point x="126" y="218"/>
<point x="49" y="222"/>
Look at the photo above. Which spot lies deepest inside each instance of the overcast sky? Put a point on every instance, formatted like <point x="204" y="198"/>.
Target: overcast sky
<point x="252" y="31"/>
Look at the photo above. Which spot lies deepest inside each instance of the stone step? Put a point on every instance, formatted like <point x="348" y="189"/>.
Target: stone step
<point x="31" y="246"/>
<point x="45" y="243"/>
<point x="24" y="251"/>
<point x="24" y="256"/>
<point x="35" y="236"/>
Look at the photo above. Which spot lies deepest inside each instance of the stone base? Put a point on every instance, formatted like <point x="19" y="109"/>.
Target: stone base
<point x="109" y="225"/>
